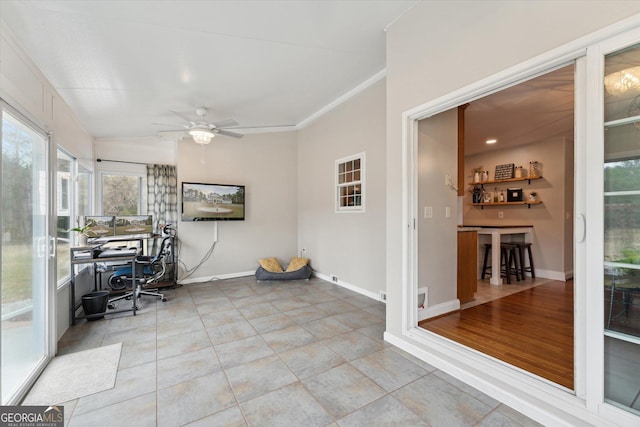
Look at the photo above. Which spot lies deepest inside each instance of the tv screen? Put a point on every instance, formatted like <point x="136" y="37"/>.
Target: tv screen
<point x="212" y="202"/>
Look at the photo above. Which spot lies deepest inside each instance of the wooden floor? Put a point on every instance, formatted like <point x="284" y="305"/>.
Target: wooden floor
<point x="532" y="330"/>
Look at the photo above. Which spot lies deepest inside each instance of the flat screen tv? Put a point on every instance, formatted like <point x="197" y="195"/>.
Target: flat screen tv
<point x="212" y="202"/>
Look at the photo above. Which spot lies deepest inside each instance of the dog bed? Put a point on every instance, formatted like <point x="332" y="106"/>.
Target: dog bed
<point x="270" y="269"/>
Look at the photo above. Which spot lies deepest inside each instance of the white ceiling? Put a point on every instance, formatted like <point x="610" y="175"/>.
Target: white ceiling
<point x="537" y="110"/>
<point x="121" y="65"/>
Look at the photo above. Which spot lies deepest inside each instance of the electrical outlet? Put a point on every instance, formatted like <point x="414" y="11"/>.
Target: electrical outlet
<point x="383" y="296"/>
<point x="334" y="279"/>
<point x="500" y="215"/>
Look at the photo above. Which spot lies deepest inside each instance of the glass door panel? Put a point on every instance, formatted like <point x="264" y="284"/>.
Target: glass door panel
<point x="24" y="282"/>
<point x="622" y="229"/>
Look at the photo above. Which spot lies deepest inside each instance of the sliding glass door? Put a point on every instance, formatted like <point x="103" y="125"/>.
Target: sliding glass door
<point x="26" y="259"/>
<point x="621" y="290"/>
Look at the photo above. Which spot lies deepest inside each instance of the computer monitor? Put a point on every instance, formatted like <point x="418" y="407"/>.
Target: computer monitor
<point x="133" y="224"/>
<point x="100" y="226"/>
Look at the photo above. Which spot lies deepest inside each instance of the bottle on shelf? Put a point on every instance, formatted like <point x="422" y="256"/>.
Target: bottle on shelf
<point x="501" y="196"/>
<point x="495" y="195"/>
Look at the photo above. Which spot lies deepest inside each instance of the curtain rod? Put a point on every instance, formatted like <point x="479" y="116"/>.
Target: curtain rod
<point x="119" y="161"/>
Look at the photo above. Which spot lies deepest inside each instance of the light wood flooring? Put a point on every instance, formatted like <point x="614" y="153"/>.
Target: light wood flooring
<point x="530" y="326"/>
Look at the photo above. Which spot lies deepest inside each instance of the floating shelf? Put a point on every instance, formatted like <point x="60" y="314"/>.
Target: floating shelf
<point x="528" y="203"/>
<point x="502" y="181"/>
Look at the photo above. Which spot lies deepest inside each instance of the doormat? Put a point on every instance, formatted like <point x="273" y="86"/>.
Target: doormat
<point x="76" y="375"/>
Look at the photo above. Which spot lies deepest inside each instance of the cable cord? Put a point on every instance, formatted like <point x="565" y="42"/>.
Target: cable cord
<point x="190" y="271"/>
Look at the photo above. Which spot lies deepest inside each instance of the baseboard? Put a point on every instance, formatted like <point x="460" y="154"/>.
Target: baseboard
<point x="349" y="286"/>
<point x="438" y="309"/>
<point x="216" y="277"/>
<point x="553" y="275"/>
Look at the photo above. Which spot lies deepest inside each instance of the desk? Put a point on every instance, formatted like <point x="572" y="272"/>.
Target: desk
<point x="76" y="259"/>
<point x="496" y="232"/>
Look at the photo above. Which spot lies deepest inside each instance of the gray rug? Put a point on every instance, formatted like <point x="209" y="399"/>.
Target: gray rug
<point x="75" y="375"/>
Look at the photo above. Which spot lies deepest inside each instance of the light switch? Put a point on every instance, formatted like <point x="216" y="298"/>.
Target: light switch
<point x="428" y="212"/>
<point x="447" y="212"/>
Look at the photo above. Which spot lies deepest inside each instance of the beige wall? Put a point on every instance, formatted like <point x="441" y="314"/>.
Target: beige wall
<point x="266" y="165"/>
<point x="429" y="51"/>
<point x="350" y="246"/>
<point x="551" y="244"/>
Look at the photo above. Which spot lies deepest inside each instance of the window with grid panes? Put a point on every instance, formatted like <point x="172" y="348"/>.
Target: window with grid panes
<point x="350" y="184"/>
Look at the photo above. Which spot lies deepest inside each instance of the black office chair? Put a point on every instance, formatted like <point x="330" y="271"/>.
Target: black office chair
<point x="149" y="270"/>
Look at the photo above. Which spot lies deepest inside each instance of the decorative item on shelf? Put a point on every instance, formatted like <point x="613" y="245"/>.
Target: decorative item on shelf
<point x="84" y="233"/>
<point x="533" y="196"/>
<point x="487" y="196"/>
<point x="514" y="194"/>
<point x="504" y="171"/>
<point x="501" y="197"/>
<point x="535" y="169"/>
<point x="477" y="174"/>
<point x="477" y="194"/>
<point x="495" y="195"/>
<point x="484" y="176"/>
<point x="520" y="172"/>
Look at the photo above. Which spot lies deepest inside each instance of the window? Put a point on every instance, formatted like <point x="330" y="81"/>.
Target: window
<point x="122" y="193"/>
<point x="350" y="184"/>
<point x="65" y="164"/>
<point x="72" y="201"/>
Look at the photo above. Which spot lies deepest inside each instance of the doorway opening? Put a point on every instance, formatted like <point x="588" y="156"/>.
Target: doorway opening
<point x="528" y="124"/>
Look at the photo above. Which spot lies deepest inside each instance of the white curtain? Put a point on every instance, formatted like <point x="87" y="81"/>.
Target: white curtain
<point x="162" y="196"/>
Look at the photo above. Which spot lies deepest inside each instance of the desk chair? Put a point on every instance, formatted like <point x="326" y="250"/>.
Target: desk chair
<point x="148" y="271"/>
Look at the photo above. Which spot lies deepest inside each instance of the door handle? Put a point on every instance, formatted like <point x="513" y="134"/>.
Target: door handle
<point x="53" y="242"/>
<point x="581" y="228"/>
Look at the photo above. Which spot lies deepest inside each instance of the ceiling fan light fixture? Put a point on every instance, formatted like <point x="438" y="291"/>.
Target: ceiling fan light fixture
<point x="622" y="81"/>
<point x="201" y="136"/>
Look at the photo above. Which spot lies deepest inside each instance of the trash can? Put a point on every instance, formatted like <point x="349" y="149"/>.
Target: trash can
<point x="95" y="303"/>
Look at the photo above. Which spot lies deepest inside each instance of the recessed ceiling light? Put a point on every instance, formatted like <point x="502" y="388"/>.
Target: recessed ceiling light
<point x="491" y="141"/>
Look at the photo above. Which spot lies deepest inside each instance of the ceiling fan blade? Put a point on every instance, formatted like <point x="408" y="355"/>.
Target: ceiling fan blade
<point x="184" y="117"/>
<point x="172" y="131"/>
<point x="170" y="124"/>
<point x="225" y="123"/>
<point x="227" y="133"/>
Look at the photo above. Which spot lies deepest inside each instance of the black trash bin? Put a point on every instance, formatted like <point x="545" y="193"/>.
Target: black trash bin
<point x="95" y="303"/>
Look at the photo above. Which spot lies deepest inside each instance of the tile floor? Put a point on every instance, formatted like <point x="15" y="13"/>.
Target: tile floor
<point x="237" y="352"/>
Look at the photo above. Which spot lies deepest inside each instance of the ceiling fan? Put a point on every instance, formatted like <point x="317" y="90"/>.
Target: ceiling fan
<point x="202" y="131"/>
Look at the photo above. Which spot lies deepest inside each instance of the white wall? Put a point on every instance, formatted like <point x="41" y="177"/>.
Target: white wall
<point x="24" y="86"/>
<point x="266" y="165"/>
<point x="149" y="150"/>
<point x="551" y="243"/>
<point x="437" y="236"/>
<point x="350" y="246"/>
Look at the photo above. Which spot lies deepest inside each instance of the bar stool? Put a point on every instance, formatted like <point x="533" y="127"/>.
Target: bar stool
<point x="512" y="265"/>
<point x="508" y="258"/>
<point x="521" y="247"/>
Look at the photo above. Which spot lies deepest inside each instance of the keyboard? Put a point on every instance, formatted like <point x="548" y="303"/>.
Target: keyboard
<point x="118" y="252"/>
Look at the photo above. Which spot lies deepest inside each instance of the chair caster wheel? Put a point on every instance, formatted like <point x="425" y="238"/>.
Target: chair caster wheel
<point x="164" y="299"/>
<point x="127" y="298"/>
<point x="111" y="306"/>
